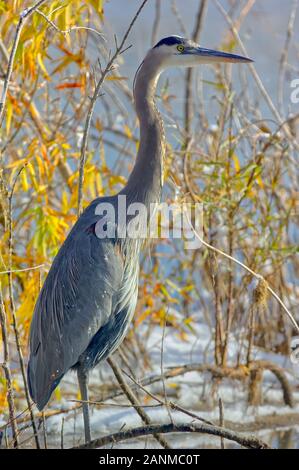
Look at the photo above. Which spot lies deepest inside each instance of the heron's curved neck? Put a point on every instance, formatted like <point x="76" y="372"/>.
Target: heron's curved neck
<point x="145" y="182"/>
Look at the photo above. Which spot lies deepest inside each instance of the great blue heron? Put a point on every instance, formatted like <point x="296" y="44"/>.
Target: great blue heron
<point x="89" y="296"/>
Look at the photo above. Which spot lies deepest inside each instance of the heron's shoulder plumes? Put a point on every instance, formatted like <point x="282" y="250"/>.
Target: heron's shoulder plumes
<point x="170" y="41"/>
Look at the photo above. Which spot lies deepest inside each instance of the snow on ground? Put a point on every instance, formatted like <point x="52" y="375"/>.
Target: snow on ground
<point x="193" y="391"/>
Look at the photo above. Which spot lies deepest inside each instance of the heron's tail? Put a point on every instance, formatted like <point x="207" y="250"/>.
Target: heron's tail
<point x="40" y="387"/>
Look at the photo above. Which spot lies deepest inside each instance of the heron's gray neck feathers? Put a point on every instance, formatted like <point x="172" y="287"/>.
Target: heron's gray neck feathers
<point x="145" y="182"/>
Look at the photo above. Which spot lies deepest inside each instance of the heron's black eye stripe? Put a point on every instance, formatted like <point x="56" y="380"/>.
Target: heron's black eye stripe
<point x="169" y="41"/>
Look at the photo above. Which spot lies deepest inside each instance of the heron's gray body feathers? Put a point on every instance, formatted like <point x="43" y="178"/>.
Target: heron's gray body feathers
<point x="82" y="311"/>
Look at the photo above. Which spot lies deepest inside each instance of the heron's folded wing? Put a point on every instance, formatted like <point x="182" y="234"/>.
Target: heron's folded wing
<point x="75" y="301"/>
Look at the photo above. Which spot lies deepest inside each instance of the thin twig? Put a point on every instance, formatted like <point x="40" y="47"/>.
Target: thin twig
<point x="134" y="400"/>
<point x="156" y="22"/>
<point x="13" y="310"/>
<point x="178" y="17"/>
<point x="162" y="367"/>
<point x="113" y="405"/>
<point x="221" y="421"/>
<point x="44" y="430"/>
<point x="61" y="434"/>
<point x="7" y="372"/>
<point x="68" y="31"/>
<point x="23" y="270"/>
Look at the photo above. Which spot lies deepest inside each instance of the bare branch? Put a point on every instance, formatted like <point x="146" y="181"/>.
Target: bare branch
<point x="245" y="441"/>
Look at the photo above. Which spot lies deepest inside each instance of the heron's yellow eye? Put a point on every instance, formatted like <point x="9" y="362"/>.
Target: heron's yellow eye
<point x="180" y="48"/>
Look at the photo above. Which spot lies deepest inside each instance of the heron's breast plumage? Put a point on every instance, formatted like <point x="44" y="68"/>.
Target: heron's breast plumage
<point x="111" y="334"/>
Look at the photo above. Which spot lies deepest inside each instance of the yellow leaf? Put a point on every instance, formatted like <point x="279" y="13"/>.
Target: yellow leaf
<point x="128" y="131"/>
<point x="33" y="178"/>
<point x="42" y="66"/>
<point x="8" y="116"/>
<point x="66" y="146"/>
<point x="98" y="125"/>
<point x="63" y="63"/>
<point x="116" y="77"/>
<point x="99" y="184"/>
<point x="17" y="163"/>
<point x="58" y="394"/>
<point x="67" y="17"/>
<point x="236" y="163"/>
<point x="260" y="181"/>
<point x="143" y="316"/>
<point x="64" y="205"/>
<point x="264" y="128"/>
<point x="116" y="179"/>
<point x="98" y="6"/>
<point x="173" y="385"/>
<point x="40" y="166"/>
<point x="24" y="180"/>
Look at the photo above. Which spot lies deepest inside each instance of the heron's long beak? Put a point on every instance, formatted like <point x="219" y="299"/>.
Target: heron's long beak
<point x="211" y="55"/>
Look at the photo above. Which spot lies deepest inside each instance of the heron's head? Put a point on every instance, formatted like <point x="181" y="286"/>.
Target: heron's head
<point x="180" y="52"/>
